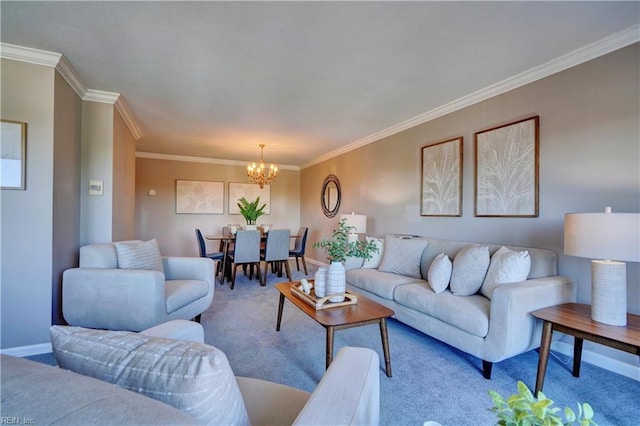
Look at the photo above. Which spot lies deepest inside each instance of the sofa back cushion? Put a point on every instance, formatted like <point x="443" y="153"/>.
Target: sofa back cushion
<point x="543" y="262"/>
<point x="469" y="269"/>
<point x="403" y="256"/>
<point x="193" y="377"/>
<point x="507" y="266"/>
<point x="101" y="255"/>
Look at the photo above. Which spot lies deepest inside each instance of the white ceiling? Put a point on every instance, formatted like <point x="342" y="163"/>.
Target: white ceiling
<point x="308" y="79"/>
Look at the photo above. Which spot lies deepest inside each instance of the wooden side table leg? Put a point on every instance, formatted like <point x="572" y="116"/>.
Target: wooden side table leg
<point x="577" y="355"/>
<point x="330" y="331"/>
<point x="545" y="346"/>
<point x="280" y="307"/>
<point x="385" y="346"/>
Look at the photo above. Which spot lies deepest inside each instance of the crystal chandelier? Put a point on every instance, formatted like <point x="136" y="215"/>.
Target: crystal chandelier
<point x="258" y="174"/>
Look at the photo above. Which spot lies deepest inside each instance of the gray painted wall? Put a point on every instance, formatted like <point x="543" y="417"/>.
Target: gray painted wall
<point x="124" y="181"/>
<point x="66" y="188"/>
<point x="26" y="223"/>
<point x="589" y="159"/>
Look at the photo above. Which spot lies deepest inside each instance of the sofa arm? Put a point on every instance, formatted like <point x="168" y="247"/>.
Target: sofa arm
<point x="349" y="392"/>
<point x="512" y="328"/>
<point x="189" y="268"/>
<point x="114" y="299"/>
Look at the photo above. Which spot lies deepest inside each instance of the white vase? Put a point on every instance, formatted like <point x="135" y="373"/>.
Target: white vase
<point x="251" y="227"/>
<point x="320" y="281"/>
<point x="336" y="281"/>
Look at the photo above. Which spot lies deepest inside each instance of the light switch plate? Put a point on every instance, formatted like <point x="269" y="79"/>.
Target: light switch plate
<point x="95" y="187"/>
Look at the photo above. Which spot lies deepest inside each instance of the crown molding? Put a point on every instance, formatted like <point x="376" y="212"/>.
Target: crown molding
<point x="126" y="115"/>
<point x="576" y="57"/>
<point x="29" y="55"/>
<point x="190" y="159"/>
<point x="62" y="65"/>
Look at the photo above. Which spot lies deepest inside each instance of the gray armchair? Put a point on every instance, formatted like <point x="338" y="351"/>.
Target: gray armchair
<point x="100" y="295"/>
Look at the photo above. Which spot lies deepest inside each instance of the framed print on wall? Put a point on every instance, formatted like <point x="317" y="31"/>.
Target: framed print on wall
<point x="507" y="170"/>
<point x="441" y="189"/>
<point x="13" y="149"/>
<point x="199" y="197"/>
<point x="250" y="191"/>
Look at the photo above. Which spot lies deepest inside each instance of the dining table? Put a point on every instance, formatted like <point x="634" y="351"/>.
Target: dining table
<point x="227" y="242"/>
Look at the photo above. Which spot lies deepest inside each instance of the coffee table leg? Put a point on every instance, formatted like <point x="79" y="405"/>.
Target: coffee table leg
<point x="280" y="306"/>
<point x="330" y="331"/>
<point x="545" y="345"/>
<point x="385" y="345"/>
<point x="577" y="356"/>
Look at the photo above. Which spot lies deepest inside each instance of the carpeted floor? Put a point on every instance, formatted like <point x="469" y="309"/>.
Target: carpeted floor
<point x="431" y="381"/>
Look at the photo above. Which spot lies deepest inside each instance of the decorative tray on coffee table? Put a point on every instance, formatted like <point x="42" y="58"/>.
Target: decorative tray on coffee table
<point x="322" y="302"/>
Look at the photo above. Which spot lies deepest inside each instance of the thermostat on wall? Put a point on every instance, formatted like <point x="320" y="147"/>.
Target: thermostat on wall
<point x="95" y="187"/>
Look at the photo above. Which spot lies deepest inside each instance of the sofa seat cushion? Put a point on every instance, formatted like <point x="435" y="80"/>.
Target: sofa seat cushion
<point x="180" y="293"/>
<point x="380" y="283"/>
<point x="468" y="313"/>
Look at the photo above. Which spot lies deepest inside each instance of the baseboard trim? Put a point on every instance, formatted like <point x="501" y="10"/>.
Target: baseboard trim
<point x="613" y="365"/>
<point x="22" y="351"/>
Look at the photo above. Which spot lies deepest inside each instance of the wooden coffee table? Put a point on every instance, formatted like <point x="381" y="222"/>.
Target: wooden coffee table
<point x="364" y="312"/>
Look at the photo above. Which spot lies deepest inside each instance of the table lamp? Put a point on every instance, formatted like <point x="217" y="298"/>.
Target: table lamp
<point x="611" y="236"/>
<point x="358" y="223"/>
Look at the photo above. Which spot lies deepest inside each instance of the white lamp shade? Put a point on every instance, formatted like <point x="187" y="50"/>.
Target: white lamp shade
<point x="357" y="221"/>
<point x="610" y="236"/>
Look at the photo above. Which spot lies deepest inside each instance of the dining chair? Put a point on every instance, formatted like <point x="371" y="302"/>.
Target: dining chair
<point x="276" y="252"/>
<point x="217" y="256"/>
<point x="299" y="247"/>
<point x="246" y="251"/>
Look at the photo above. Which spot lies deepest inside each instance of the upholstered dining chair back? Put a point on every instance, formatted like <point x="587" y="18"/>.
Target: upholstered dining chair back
<point x="276" y="253"/>
<point x="299" y="247"/>
<point x="277" y="245"/>
<point x="246" y="247"/>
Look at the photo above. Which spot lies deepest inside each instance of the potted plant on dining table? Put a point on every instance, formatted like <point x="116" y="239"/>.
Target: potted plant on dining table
<point x="250" y="211"/>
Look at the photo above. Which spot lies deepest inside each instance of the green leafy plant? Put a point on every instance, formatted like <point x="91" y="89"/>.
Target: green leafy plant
<point x="338" y="247"/>
<point x="250" y="210"/>
<point x="523" y="409"/>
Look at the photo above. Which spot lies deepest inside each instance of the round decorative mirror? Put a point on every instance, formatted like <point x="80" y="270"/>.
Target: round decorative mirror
<point x="330" y="196"/>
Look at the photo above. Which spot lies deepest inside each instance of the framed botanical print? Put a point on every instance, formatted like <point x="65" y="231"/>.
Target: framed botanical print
<point x="507" y="170"/>
<point x="441" y="189"/>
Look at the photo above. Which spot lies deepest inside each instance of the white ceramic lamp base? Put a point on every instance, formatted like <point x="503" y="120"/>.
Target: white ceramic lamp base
<point x="609" y="292"/>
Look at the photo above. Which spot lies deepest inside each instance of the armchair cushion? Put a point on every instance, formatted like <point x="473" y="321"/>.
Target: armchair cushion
<point x="180" y="293"/>
<point x="192" y="377"/>
<point x="139" y="255"/>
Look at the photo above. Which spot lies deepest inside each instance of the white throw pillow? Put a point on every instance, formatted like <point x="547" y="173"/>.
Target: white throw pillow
<point x="439" y="273"/>
<point x="192" y="377"/>
<point x="139" y="255"/>
<point x="507" y="266"/>
<point x="469" y="269"/>
<point x="374" y="262"/>
<point x="403" y="256"/>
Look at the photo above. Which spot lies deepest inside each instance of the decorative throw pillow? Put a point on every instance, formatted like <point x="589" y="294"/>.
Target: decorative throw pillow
<point x="507" y="266"/>
<point x="374" y="262"/>
<point x="139" y="255"/>
<point x="439" y="273"/>
<point x="402" y="256"/>
<point x="192" y="377"/>
<point x="469" y="269"/>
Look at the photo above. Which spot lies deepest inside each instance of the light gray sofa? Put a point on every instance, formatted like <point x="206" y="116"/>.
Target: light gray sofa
<point x="41" y="394"/>
<point x="490" y="329"/>
<point x="99" y="294"/>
